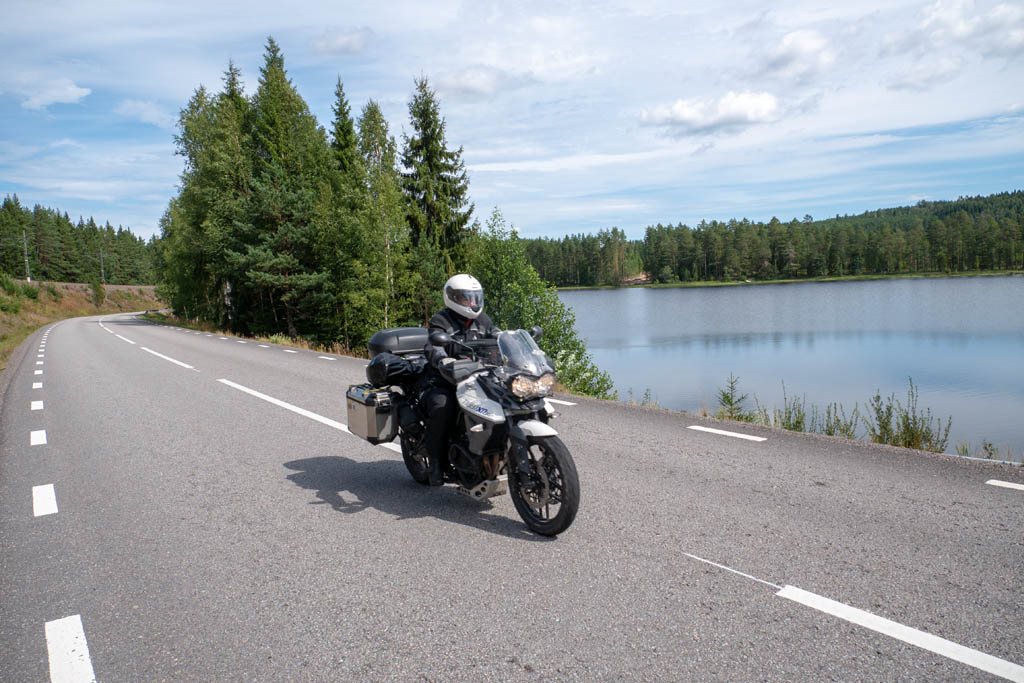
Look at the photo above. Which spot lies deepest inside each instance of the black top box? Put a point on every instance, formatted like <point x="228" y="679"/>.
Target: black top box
<point x="400" y="341"/>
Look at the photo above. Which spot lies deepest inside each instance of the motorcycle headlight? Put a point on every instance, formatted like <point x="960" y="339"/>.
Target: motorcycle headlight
<point x="524" y="386"/>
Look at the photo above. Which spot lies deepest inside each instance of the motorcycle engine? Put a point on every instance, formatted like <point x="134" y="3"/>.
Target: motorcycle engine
<point x="466" y="469"/>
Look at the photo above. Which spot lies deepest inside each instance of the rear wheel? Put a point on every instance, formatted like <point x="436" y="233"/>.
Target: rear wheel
<point x="548" y="501"/>
<point x="414" y="453"/>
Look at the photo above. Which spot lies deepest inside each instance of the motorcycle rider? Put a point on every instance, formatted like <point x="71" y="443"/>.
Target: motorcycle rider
<point x="463" y="319"/>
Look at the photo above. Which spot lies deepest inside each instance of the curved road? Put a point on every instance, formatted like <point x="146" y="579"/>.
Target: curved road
<point x="181" y="506"/>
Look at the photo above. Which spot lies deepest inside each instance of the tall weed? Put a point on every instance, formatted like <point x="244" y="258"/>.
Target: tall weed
<point x="891" y="422"/>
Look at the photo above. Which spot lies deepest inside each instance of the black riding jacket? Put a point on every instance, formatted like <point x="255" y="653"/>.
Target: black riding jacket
<point x="458" y="328"/>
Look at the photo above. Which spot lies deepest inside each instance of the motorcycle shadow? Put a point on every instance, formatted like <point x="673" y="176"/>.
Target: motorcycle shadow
<point x="352" y="486"/>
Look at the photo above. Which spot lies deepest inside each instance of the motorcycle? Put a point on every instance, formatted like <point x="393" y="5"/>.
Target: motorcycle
<point x="501" y="442"/>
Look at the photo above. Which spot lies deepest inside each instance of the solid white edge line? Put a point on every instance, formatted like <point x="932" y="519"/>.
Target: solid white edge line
<point x="37" y="438"/>
<point x="560" y="402"/>
<point x="167" y="358"/>
<point x="925" y="641"/>
<point x="44" y="500"/>
<point x="1005" y="484"/>
<point x="37" y="405"/>
<point x="68" y="651"/>
<point x="124" y="339"/>
<point x="722" y="432"/>
<point x="287" y="406"/>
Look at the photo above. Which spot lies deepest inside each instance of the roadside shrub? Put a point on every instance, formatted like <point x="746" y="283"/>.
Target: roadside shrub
<point x="54" y="293"/>
<point x="836" y="423"/>
<point x="10" y="305"/>
<point x="730" y="402"/>
<point x="891" y="422"/>
<point x="8" y="284"/>
<point x="793" y="415"/>
<point x="99" y="293"/>
<point x="30" y="291"/>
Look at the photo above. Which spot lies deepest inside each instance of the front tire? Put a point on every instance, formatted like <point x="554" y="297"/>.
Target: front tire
<point x="549" y="501"/>
<point x="414" y="453"/>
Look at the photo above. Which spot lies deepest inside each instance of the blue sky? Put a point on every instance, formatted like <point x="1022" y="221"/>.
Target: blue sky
<point x="574" y="116"/>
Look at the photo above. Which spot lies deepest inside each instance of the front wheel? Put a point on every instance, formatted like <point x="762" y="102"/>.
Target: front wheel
<point x="548" y="501"/>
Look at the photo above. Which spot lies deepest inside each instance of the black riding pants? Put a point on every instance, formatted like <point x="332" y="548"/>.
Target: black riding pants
<point x="439" y="404"/>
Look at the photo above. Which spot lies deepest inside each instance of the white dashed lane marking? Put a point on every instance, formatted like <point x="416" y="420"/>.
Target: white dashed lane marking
<point x="1005" y="484"/>
<point x="68" y="651"/>
<point x="887" y="627"/>
<point x="560" y="402"/>
<point x="125" y="339"/>
<point x="722" y="432"/>
<point x="327" y="358"/>
<point x="37" y="405"/>
<point x="37" y="385"/>
<point x="37" y="438"/>
<point x="44" y="500"/>
<point x="264" y="346"/>
<point x="290" y="351"/>
<point x="168" y="358"/>
<point x="925" y="641"/>
<point x="39" y="372"/>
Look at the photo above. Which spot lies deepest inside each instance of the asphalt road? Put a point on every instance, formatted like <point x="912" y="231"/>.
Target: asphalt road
<point x="177" y="527"/>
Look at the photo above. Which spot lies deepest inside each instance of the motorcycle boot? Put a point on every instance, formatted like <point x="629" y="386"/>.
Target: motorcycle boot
<point x="436" y="472"/>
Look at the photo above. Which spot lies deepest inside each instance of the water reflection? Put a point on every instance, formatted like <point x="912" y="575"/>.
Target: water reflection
<point x="960" y="339"/>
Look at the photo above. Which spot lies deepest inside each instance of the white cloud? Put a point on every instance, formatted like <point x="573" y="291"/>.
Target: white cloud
<point x="801" y="54"/>
<point x="998" y="31"/>
<point x="147" y="112"/>
<point x="55" y="91"/>
<point x="342" y="41"/>
<point x="926" y="74"/>
<point x="479" y="79"/>
<point x="732" y="112"/>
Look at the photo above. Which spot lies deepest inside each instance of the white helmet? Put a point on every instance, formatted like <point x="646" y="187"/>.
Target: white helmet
<point x="464" y="295"/>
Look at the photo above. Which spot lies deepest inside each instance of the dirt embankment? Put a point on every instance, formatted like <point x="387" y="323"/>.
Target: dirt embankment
<point x="27" y="306"/>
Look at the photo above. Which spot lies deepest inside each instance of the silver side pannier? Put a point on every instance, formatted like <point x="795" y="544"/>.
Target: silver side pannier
<point x="371" y="413"/>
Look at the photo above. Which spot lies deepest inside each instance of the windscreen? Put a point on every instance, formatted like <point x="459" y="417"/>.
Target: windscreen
<point x="520" y="352"/>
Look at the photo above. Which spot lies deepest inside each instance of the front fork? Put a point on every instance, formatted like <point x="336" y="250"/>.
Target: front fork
<point x="519" y="448"/>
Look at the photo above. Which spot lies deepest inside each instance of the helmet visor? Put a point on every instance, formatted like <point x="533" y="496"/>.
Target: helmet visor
<point x="470" y="298"/>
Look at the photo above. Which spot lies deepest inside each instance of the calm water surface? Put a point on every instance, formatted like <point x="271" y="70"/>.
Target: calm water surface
<point x="960" y="339"/>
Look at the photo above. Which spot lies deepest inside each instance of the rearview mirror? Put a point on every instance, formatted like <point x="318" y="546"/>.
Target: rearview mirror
<point x="439" y="338"/>
<point x="536" y="332"/>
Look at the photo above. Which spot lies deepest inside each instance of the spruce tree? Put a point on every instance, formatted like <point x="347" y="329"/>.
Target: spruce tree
<point x="292" y="199"/>
<point x="436" y="188"/>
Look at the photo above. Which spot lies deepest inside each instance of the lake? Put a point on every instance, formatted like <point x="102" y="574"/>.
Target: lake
<point x="960" y="339"/>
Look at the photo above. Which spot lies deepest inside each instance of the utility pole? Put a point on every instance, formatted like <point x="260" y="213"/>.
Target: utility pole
<point x="24" y="241"/>
<point x="103" y="275"/>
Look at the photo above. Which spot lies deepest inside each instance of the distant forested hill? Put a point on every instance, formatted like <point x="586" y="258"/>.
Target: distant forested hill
<point x="62" y="251"/>
<point x="968" y="234"/>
